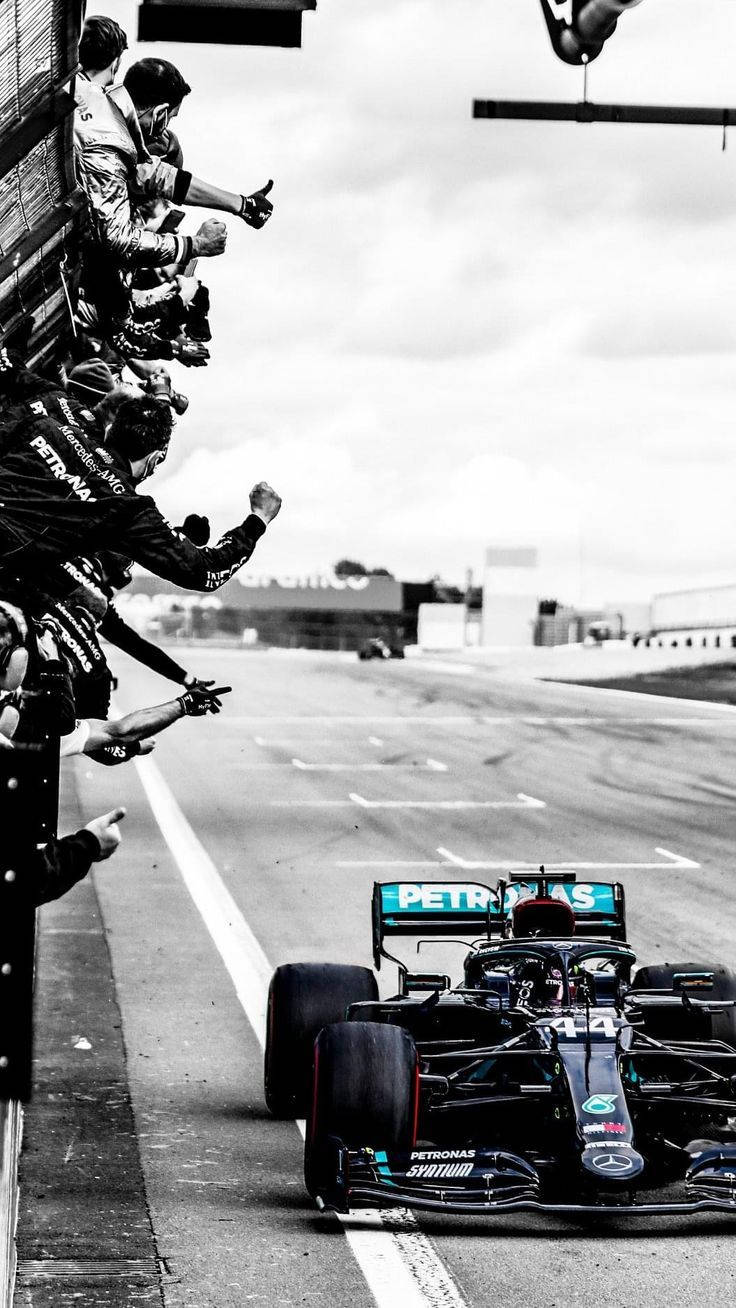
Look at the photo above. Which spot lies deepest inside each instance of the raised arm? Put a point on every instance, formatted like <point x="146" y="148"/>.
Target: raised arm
<point x="153" y="542"/>
<point x="143" y="723"/>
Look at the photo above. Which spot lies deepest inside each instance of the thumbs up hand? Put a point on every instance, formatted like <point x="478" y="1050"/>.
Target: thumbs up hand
<point x="255" y="209"/>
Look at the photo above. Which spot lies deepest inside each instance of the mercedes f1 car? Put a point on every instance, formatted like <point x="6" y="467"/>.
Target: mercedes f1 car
<point x="555" y="1078"/>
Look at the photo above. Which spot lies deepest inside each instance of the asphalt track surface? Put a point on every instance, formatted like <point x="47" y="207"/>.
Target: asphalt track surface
<point x="321" y="776"/>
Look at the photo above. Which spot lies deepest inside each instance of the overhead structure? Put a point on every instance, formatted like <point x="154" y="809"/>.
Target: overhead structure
<point x="586" y="111"/>
<point x="39" y="202"/>
<point x="580" y="28"/>
<point x="224" y="22"/>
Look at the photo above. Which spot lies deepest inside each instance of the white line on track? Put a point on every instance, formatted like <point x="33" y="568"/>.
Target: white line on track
<point x="643" y="696"/>
<point x="714" y="718"/>
<point x="375" y="740"/>
<point x="521" y="802"/>
<point x="442" y="665"/>
<point x="674" y="863"/>
<point x="477" y="865"/>
<point x="396" y="1258"/>
<point x="431" y="765"/>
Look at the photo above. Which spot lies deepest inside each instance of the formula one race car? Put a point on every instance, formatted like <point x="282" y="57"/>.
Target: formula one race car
<point x="377" y="648"/>
<point x="549" y="1080"/>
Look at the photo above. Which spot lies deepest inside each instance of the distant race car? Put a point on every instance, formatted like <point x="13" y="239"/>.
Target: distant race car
<point x="377" y="648"/>
<point x="549" y="1080"/>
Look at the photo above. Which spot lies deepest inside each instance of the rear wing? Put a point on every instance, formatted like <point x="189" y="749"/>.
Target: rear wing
<point x="432" y="908"/>
<point x="599" y="906"/>
<point x="461" y="908"/>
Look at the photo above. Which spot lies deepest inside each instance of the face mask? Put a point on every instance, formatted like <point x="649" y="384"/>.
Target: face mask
<point x="154" y="121"/>
<point x="152" y="463"/>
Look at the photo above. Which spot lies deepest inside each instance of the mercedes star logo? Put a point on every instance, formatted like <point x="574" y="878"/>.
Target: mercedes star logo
<point x="612" y="1163"/>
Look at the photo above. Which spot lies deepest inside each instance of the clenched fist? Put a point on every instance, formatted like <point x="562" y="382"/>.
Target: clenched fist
<point x="211" y="239"/>
<point x="264" y="502"/>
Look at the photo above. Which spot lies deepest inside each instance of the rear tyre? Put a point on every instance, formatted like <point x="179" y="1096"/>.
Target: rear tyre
<point x="302" y="998"/>
<point x="678" y="1024"/>
<point x="365" y="1093"/>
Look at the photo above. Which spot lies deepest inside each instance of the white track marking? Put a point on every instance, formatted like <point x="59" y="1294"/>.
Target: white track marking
<point x="398" y="1262"/>
<point x="674" y="864"/>
<point x="477" y="865"/>
<point x="442" y="665"/>
<point x="502" y="719"/>
<point x="403" y="863"/>
<point x="311" y="803"/>
<point x="643" y="695"/>
<point x="340" y="720"/>
<point x="430" y="766"/>
<point x="678" y="859"/>
<point x="522" y="801"/>
<point x="375" y="740"/>
<point x="237" y="946"/>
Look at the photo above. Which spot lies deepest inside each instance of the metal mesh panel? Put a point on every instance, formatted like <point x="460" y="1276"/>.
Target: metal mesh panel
<point x="33" y="189"/>
<point x="36" y="289"/>
<point x="37" y="54"/>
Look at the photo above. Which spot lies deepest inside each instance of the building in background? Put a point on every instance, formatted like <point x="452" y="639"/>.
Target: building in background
<point x="704" y="617"/>
<point x="559" y="624"/>
<point x="319" y="611"/>
<point x="510" y="596"/>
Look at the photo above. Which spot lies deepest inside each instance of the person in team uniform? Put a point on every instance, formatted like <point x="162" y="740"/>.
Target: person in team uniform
<point x="63" y="494"/>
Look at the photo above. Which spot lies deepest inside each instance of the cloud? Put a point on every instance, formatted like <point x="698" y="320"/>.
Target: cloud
<point x="455" y="328"/>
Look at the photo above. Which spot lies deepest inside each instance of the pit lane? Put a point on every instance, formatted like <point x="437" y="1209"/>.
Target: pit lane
<point x="620" y="779"/>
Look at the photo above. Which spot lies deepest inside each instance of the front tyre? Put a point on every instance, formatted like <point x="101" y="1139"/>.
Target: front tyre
<point x="365" y="1094"/>
<point x="302" y="998"/>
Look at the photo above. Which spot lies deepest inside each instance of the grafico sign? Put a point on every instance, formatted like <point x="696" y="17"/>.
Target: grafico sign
<point x="314" y="591"/>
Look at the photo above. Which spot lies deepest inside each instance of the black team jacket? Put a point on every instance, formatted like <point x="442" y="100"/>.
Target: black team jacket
<point x="63" y="494"/>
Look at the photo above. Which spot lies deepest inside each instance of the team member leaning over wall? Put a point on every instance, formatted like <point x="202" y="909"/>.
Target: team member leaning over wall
<point x="88" y="613"/>
<point x="51" y="869"/>
<point x="63" y="494"/>
<point x="119" y="740"/>
<point x="113" y="159"/>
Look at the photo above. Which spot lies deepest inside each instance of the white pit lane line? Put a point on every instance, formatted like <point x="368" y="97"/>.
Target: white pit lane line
<point x="397" y="1260"/>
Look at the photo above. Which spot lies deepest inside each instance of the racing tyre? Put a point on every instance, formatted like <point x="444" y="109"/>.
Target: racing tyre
<point x="302" y="998"/>
<point x="677" y="1024"/>
<point x="365" y="1093"/>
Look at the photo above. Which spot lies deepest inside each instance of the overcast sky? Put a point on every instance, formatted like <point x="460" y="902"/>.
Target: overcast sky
<point x="456" y="333"/>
